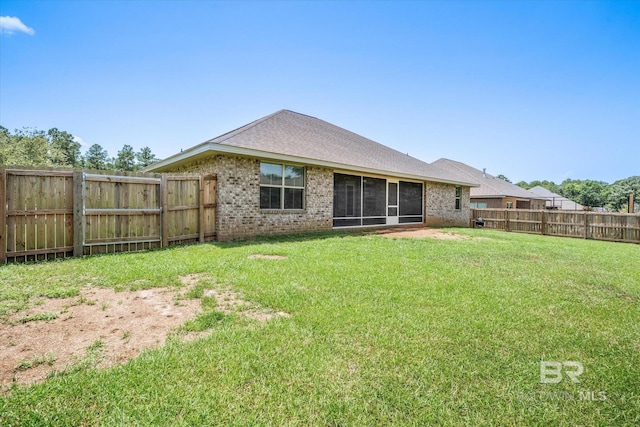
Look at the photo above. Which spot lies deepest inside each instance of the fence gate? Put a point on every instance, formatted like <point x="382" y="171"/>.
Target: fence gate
<point x="38" y="221"/>
<point x="118" y="213"/>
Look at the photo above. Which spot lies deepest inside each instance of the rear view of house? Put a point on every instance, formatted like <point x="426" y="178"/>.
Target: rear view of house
<point x="289" y="172"/>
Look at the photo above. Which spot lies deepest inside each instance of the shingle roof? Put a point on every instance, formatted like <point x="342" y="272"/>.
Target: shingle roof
<point x="556" y="200"/>
<point x="315" y="141"/>
<point x="489" y="185"/>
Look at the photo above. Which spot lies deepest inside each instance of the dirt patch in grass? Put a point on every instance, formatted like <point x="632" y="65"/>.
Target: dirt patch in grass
<point x="124" y="323"/>
<point x="263" y="256"/>
<point x="101" y="327"/>
<point x="229" y="301"/>
<point x="420" y="233"/>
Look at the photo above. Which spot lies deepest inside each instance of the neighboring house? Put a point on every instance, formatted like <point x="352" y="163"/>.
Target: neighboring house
<point x="492" y="192"/>
<point x="555" y="201"/>
<point x="289" y="172"/>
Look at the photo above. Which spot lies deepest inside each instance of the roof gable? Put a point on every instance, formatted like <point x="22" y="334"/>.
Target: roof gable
<point x="314" y="141"/>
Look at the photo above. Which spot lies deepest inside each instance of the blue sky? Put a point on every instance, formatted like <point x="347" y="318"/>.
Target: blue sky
<point x="530" y="89"/>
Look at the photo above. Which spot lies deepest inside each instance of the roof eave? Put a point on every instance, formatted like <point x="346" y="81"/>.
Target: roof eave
<point x="211" y="147"/>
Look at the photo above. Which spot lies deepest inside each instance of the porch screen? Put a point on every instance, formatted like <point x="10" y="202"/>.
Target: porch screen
<point x="410" y="202"/>
<point x="347" y="200"/>
<point x="374" y="203"/>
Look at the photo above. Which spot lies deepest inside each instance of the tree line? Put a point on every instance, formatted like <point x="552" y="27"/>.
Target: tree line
<point x="56" y="148"/>
<point x="591" y="193"/>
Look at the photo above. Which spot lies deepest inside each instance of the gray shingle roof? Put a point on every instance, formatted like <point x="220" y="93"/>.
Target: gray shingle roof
<point x="315" y="141"/>
<point x="489" y="185"/>
<point x="556" y="200"/>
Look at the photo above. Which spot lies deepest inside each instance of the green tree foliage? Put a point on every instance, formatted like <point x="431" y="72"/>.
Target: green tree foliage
<point x="145" y="157"/>
<point x="96" y="157"/>
<point x="27" y="147"/>
<point x="58" y="148"/>
<point x="586" y="192"/>
<point x="549" y="185"/>
<point x="126" y="159"/>
<point x="502" y="177"/>
<point x="5" y="139"/>
<point x="619" y="193"/>
<point x="66" y="146"/>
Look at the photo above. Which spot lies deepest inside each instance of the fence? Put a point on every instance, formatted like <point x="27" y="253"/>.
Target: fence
<point x="586" y="225"/>
<point x="47" y="214"/>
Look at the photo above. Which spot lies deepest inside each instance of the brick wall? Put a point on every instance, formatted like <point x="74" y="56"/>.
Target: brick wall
<point x="440" y="203"/>
<point x="239" y="214"/>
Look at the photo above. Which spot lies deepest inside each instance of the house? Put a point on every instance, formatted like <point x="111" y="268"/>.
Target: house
<point x="555" y="201"/>
<point x="492" y="192"/>
<point x="289" y="172"/>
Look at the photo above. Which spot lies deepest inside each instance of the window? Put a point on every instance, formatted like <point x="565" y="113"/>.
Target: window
<point x="281" y="186"/>
<point x="478" y="205"/>
<point x="509" y="205"/>
<point x="458" y="196"/>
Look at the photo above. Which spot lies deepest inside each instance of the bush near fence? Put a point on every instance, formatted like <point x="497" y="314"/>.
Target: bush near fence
<point x="582" y="224"/>
<point x="48" y="214"/>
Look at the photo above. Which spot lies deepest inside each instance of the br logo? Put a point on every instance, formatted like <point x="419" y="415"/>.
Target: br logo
<point x="551" y="371"/>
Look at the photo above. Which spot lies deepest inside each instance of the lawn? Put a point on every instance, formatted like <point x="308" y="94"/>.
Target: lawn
<point x="381" y="332"/>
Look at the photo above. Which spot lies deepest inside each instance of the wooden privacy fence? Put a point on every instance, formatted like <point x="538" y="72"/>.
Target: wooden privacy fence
<point x="587" y="225"/>
<point x="47" y="214"/>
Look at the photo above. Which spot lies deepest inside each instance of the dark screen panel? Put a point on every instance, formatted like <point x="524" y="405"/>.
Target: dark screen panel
<point x="375" y="197"/>
<point x="347" y="222"/>
<point x="346" y="195"/>
<point x="374" y="221"/>
<point x="410" y="198"/>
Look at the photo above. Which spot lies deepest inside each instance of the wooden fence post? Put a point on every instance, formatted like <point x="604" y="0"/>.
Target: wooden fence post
<point x="201" y="209"/>
<point x="164" y="214"/>
<point x="78" y="213"/>
<point x="3" y="215"/>
<point x="543" y="223"/>
<point x="586" y="225"/>
<point x="507" y="226"/>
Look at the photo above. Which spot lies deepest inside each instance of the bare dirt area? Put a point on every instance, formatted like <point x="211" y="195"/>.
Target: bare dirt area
<point x="104" y="326"/>
<point x="420" y="233"/>
<point x="124" y="322"/>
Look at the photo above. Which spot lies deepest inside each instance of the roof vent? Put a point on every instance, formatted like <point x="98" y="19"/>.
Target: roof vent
<point x="484" y="172"/>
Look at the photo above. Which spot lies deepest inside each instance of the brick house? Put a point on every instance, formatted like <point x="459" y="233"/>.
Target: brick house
<point x="491" y="192"/>
<point x="289" y="172"/>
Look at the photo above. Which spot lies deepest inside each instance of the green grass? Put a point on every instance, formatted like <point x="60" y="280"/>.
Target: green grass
<point x="38" y="317"/>
<point x="382" y="332"/>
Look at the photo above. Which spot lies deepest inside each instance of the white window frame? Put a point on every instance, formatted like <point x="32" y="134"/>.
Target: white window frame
<point x="282" y="186"/>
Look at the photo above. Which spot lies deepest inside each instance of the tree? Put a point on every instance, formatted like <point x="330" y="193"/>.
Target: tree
<point x="65" y="145"/>
<point x="502" y="177"/>
<point x="97" y="157"/>
<point x="5" y="141"/>
<point x="619" y="193"/>
<point x="27" y="147"/>
<point x="145" y="157"/>
<point x="126" y="159"/>
<point x="549" y="185"/>
<point x="586" y="192"/>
